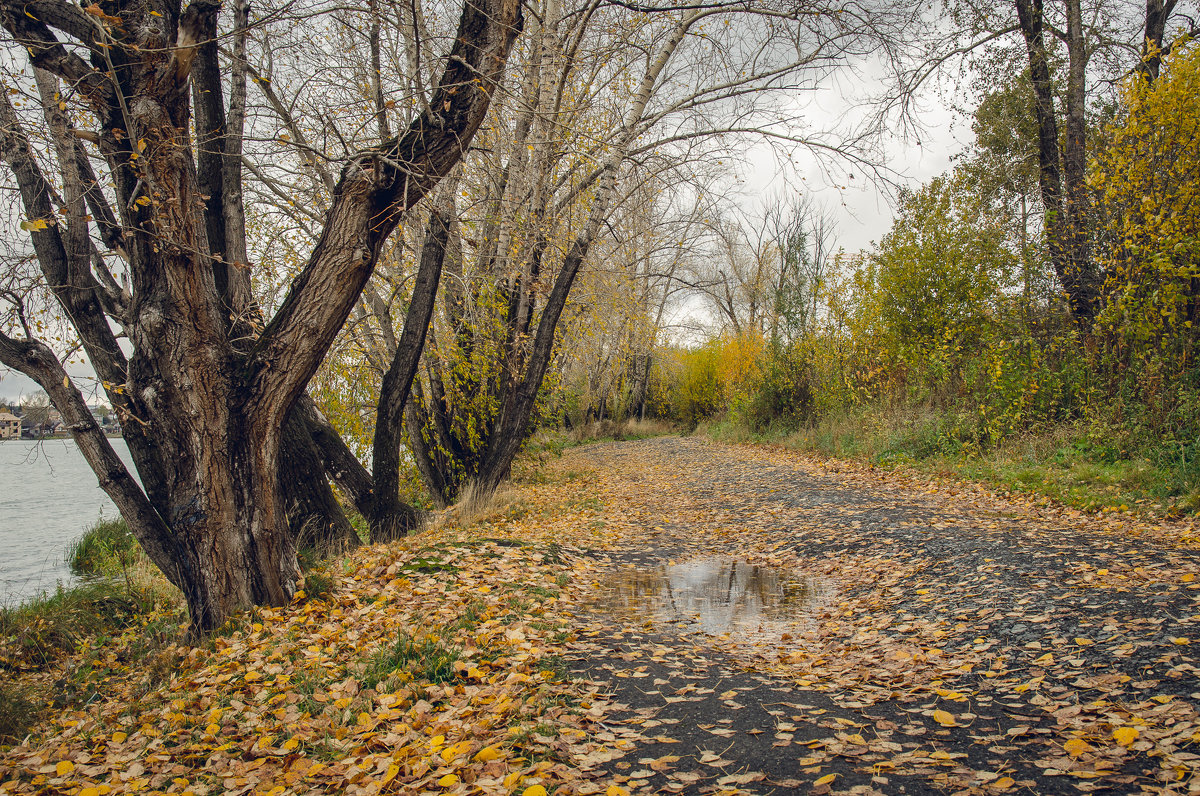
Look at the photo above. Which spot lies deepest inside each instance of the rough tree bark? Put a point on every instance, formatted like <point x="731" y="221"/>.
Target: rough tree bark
<point x="203" y="405"/>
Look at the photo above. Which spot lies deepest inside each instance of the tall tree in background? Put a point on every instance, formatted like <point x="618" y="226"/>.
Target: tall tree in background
<point x="1067" y="221"/>
<point x="1091" y="45"/>
<point x="203" y="387"/>
<point x="608" y="98"/>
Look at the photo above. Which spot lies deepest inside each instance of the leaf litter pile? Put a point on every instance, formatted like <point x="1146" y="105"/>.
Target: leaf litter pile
<point x="675" y="616"/>
<point x="421" y="672"/>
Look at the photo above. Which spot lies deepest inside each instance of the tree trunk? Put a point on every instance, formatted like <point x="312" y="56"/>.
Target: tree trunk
<point x="387" y="518"/>
<point x="203" y="405"/>
<point x="1082" y="278"/>
<point x="314" y="515"/>
<point x="1157" y="14"/>
<point x="416" y="421"/>
<point x="1068" y="250"/>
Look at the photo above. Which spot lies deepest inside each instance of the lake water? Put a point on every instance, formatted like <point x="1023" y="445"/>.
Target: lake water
<point x="48" y="498"/>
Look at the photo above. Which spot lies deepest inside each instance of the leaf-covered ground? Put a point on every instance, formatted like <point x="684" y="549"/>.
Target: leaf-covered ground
<point x="421" y="672"/>
<point x="879" y="634"/>
<point x="952" y="641"/>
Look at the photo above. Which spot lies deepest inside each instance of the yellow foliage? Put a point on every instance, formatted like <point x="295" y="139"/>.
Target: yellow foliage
<point x="1148" y="180"/>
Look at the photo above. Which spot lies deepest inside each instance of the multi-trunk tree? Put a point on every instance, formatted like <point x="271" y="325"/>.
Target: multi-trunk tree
<point x="137" y="225"/>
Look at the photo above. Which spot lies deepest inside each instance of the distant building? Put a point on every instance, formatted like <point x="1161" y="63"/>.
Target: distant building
<point x="10" y="426"/>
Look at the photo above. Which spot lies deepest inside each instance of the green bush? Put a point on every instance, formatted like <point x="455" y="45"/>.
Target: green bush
<point x="782" y="395"/>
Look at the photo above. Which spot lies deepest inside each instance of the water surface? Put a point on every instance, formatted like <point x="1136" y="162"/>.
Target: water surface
<point x="48" y="498"/>
<point x="713" y="595"/>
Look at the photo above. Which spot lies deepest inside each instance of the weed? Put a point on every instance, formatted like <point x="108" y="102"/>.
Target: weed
<point x="306" y="685"/>
<point x="319" y="585"/>
<point x="553" y="554"/>
<point x="470" y="617"/>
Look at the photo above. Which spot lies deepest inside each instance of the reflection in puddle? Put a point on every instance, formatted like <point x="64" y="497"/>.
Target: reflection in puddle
<point x="716" y="595"/>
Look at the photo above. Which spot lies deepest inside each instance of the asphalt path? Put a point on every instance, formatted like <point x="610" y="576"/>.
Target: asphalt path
<point x="771" y="623"/>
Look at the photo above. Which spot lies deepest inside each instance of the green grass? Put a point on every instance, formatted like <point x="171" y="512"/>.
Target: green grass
<point x="426" y="659"/>
<point x="107" y="548"/>
<point x="60" y="649"/>
<point x="1071" y="477"/>
<point x="1088" y="465"/>
<point x="430" y="564"/>
<point x="34" y="634"/>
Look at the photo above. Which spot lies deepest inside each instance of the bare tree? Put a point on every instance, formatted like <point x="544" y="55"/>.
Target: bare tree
<point x="594" y="116"/>
<point x="203" y="387"/>
<point x="763" y="268"/>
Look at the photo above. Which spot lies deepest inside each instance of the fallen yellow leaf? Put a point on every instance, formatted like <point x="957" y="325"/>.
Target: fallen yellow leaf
<point x="535" y="790"/>
<point x="616" y="790"/>
<point x="454" y="750"/>
<point x="64" y="767"/>
<point x="1076" y="746"/>
<point x="1125" y="735"/>
<point x="825" y="780"/>
<point x="944" y="718"/>
<point x="487" y="754"/>
<point x="448" y="780"/>
<point x="1004" y="783"/>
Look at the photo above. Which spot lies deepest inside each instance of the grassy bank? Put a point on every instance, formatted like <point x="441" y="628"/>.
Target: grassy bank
<point x="62" y="649"/>
<point x="1086" y="465"/>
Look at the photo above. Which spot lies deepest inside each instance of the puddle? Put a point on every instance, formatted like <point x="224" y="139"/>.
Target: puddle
<point x="713" y="595"/>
